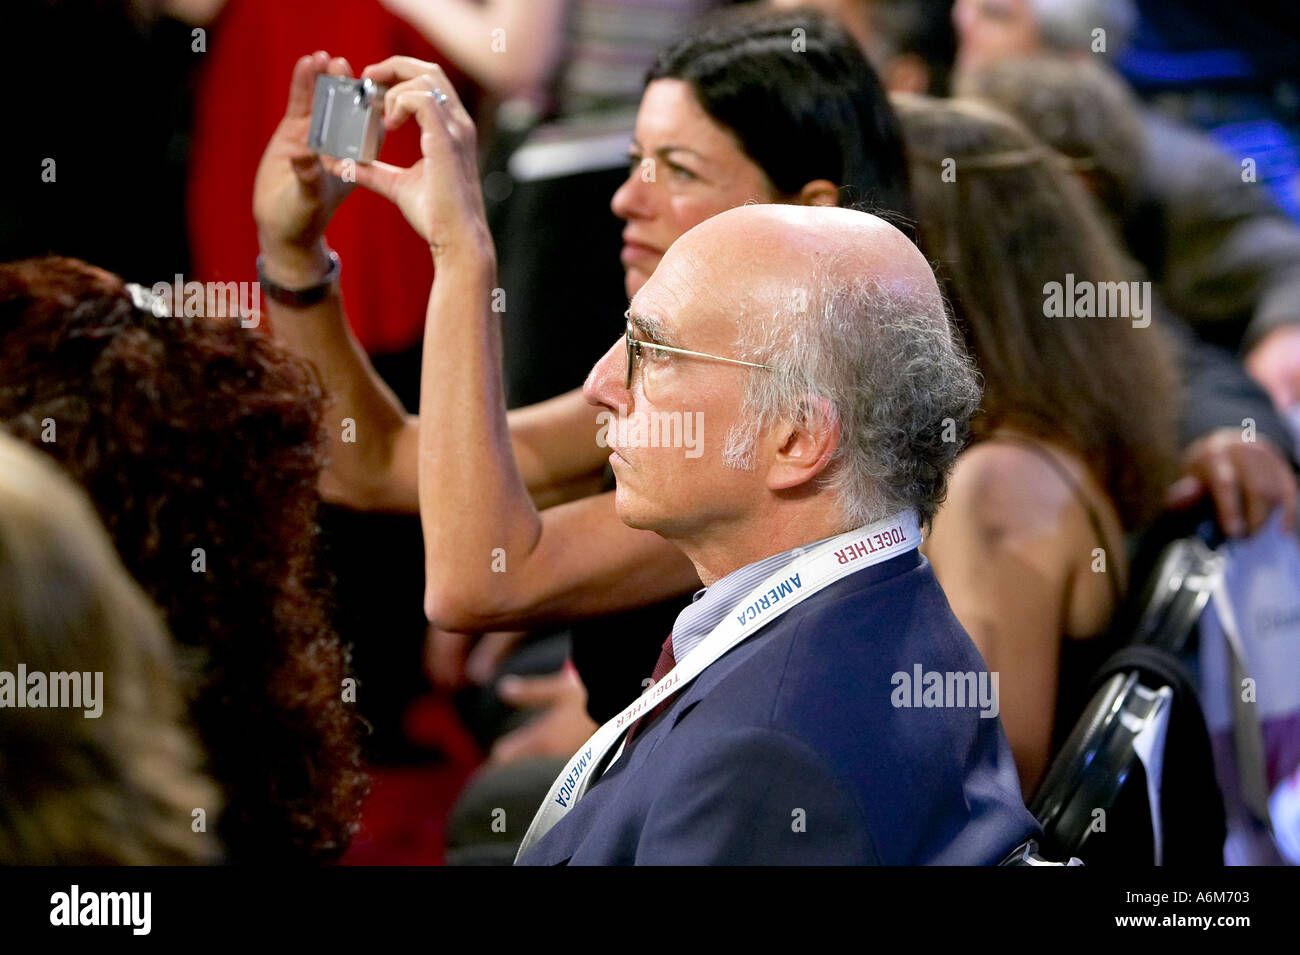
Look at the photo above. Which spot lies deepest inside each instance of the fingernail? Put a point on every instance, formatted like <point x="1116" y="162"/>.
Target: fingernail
<point x="509" y="685"/>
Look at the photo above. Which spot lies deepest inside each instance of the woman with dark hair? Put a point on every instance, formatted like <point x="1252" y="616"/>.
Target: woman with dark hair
<point x="1074" y="444"/>
<point x="792" y="91"/>
<point x="750" y="108"/>
<point x="113" y="778"/>
<point x="199" y="442"/>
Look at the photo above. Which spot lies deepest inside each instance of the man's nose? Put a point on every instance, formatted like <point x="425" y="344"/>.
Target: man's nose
<point x="607" y="380"/>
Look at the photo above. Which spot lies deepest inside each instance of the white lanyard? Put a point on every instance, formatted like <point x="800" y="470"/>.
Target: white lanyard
<point x="812" y="571"/>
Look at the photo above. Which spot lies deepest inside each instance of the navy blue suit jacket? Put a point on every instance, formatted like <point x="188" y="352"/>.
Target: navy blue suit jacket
<point x="790" y="750"/>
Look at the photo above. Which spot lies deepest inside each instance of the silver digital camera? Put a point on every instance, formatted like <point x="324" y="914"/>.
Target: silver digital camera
<point x="347" y="118"/>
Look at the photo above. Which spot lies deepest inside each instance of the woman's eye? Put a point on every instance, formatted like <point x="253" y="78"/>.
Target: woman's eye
<point x="681" y="172"/>
<point x="633" y="164"/>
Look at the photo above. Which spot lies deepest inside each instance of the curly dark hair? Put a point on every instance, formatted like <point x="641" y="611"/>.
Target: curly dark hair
<point x="194" y="433"/>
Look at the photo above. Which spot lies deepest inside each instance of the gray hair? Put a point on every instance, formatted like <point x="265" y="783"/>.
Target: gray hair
<point x="1066" y="25"/>
<point x="899" y="382"/>
<point x="1082" y="109"/>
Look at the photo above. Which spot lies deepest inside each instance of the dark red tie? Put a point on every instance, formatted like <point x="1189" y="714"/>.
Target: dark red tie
<point x="666" y="662"/>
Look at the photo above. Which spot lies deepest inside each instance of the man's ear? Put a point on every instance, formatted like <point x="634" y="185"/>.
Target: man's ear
<point x="809" y="438"/>
<point x="819" y="192"/>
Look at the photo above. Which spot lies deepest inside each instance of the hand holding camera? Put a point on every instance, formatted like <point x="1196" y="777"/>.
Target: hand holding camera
<point x="331" y="132"/>
<point x="294" y="196"/>
<point x="440" y="194"/>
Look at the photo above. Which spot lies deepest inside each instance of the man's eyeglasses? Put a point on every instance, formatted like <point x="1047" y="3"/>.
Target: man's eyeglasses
<point x="634" y="346"/>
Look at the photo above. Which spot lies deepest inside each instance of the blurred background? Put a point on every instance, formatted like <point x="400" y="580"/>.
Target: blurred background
<point x="155" y="114"/>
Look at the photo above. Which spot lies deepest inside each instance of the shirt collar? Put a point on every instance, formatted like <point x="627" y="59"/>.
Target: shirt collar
<point x="710" y="604"/>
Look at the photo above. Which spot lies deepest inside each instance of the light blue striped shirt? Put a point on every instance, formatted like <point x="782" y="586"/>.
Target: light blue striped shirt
<point x="711" y="604"/>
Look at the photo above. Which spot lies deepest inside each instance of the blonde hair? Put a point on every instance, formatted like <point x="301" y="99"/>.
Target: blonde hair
<point x="121" y="788"/>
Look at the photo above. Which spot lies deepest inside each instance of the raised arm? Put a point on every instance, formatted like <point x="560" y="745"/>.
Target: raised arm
<point x="492" y="559"/>
<point x="373" y="464"/>
<point x="293" y="200"/>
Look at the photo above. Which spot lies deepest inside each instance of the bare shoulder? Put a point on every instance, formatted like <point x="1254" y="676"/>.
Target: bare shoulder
<point x="1011" y="493"/>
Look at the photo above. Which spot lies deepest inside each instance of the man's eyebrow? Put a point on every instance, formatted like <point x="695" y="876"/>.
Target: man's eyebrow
<point x="651" y="329"/>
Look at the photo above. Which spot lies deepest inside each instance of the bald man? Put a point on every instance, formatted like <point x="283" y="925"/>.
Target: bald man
<point x="817" y="702"/>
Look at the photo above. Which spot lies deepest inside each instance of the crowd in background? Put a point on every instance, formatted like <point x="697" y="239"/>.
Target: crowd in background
<point x="285" y="650"/>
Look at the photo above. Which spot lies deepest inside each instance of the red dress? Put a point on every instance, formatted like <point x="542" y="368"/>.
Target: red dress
<point x="241" y="89"/>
